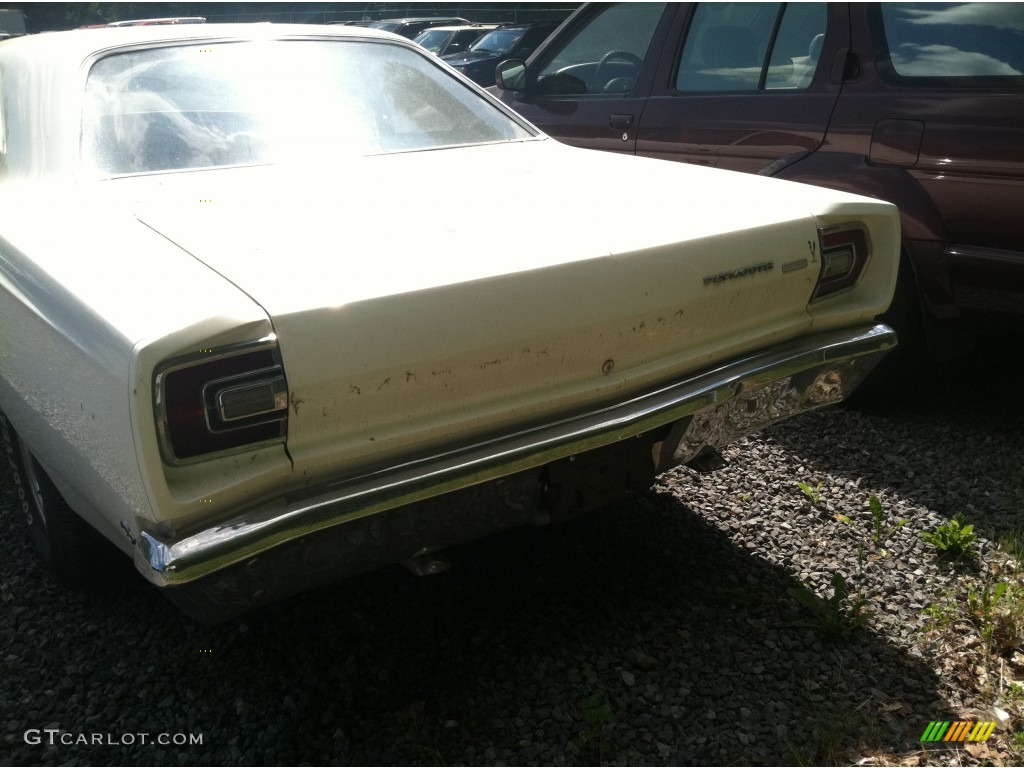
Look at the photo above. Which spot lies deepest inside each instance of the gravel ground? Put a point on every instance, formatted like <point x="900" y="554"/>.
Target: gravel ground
<point x="663" y="632"/>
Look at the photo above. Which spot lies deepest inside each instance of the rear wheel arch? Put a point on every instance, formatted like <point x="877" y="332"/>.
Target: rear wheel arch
<point x="63" y="541"/>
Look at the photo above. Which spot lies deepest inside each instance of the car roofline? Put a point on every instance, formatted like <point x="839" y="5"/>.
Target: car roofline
<point x="84" y="43"/>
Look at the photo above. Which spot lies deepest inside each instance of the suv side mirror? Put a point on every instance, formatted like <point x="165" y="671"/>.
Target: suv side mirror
<point x="510" y="75"/>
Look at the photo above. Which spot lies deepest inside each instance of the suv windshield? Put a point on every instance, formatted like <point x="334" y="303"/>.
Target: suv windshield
<point x="498" y="41"/>
<point x="433" y="39"/>
<point x="216" y="104"/>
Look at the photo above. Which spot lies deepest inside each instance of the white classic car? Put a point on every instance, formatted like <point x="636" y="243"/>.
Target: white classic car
<point x="242" y="340"/>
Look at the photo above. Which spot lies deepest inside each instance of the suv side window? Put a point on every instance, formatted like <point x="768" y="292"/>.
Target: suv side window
<point x="606" y="55"/>
<point x="752" y="46"/>
<point x="933" y="41"/>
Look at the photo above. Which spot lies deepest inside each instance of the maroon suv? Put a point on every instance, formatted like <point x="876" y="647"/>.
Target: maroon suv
<point x="921" y="104"/>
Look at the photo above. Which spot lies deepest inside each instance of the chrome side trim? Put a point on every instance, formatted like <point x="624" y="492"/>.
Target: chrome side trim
<point x="726" y="402"/>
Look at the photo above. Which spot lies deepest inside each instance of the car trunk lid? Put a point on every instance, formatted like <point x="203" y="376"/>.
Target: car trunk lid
<point x="406" y="327"/>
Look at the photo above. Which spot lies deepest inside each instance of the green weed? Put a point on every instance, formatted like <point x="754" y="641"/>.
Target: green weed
<point x="983" y="603"/>
<point x="596" y="714"/>
<point x="941" y="615"/>
<point x="953" y="540"/>
<point x="1012" y="543"/>
<point x="997" y="612"/>
<point x="812" y="492"/>
<point x="837" y="614"/>
<point x="1018" y="742"/>
<point x="880" y="531"/>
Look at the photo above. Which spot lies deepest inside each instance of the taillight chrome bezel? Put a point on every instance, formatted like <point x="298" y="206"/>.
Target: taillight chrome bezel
<point x="837" y="243"/>
<point x="189" y="402"/>
<point x="245" y="387"/>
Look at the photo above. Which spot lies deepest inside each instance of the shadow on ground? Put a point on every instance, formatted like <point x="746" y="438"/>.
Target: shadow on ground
<point x="643" y="635"/>
<point x="954" y="445"/>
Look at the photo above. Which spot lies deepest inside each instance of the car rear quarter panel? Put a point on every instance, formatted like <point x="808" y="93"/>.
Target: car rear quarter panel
<point x="88" y="308"/>
<point x="879" y="277"/>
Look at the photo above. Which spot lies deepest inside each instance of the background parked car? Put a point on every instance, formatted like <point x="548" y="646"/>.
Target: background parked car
<point x="918" y="104"/>
<point x="413" y="26"/>
<point x="442" y="41"/>
<point x="12" y="23"/>
<point x="508" y="40"/>
<point x="158" y="22"/>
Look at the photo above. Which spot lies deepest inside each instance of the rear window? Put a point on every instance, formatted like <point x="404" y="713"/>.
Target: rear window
<point x="308" y="101"/>
<point x="940" y="43"/>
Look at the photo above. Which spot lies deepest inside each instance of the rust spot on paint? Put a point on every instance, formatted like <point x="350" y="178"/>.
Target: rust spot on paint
<point x="296" y="402"/>
<point x="491" y="363"/>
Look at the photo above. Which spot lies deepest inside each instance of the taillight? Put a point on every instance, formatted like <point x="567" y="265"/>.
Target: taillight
<point x="844" y="253"/>
<point x="221" y="400"/>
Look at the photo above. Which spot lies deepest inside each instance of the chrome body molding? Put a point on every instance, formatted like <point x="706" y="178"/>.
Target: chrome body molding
<point x="711" y="408"/>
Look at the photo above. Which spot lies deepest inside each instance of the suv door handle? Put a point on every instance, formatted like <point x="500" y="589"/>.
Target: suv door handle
<point x="621" y="122"/>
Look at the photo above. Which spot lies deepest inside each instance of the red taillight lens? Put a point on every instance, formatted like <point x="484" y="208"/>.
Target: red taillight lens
<point x="844" y="253"/>
<point x="235" y="400"/>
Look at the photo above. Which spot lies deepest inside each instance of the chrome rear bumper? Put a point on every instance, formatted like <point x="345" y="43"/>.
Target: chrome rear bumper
<point x="399" y="512"/>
